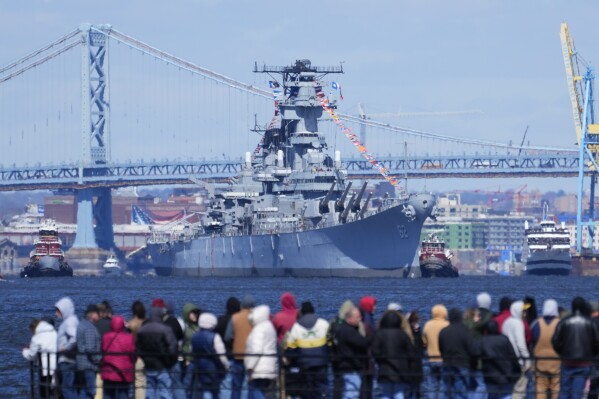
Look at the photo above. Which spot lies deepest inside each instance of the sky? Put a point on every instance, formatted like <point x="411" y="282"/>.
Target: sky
<point x="502" y="58"/>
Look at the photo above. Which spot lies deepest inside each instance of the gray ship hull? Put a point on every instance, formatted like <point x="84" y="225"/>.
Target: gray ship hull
<point x="382" y="244"/>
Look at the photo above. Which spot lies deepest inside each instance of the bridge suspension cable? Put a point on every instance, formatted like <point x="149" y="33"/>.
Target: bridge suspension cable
<point x="39" y="62"/>
<point x="437" y="136"/>
<point x="183" y="64"/>
<point x="34" y="54"/>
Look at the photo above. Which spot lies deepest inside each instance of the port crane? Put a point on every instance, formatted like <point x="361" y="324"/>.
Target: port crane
<point x="580" y="88"/>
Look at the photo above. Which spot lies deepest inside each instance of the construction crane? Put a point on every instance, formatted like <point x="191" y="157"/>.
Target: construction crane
<point x="580" y="88"/>
<point x="518" y="198"/>
<point x="522" y="143"/>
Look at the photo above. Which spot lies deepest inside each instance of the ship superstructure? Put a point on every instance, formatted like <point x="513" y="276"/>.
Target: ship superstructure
<point x="47" y="257"/>
<point x="292" y="212"/>
<point x="547" y="248"/>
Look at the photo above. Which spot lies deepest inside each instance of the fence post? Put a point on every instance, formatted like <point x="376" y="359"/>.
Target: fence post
<point x="31" y="380"/>
<point x="281" y="375"/>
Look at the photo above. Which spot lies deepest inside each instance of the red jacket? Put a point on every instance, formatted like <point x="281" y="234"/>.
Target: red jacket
<point x="501" y="318"/>
<point x="284" y="320"/>
<point x="119" y="366"/>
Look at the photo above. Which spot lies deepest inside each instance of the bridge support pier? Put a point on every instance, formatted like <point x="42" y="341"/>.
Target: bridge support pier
<point x="93" y="241"/>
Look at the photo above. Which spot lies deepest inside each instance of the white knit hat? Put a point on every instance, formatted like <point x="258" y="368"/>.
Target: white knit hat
<point x="207" y="321"/>
<point x="483" y="300"/>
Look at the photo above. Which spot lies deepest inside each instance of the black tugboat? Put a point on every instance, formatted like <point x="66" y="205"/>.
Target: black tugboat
<point x="47" y="258"/>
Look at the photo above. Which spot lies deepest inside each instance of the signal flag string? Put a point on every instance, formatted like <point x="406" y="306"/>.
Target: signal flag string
<point x="324" y="102"/>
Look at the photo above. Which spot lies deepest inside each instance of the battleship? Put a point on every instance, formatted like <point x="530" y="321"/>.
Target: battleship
<point x="290" y="212"/>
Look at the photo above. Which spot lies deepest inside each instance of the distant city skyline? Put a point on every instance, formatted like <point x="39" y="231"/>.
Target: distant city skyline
<point x="502" y="58"/>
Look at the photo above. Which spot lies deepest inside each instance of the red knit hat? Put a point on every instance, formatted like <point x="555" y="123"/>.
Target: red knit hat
<point x="158" y="303"/>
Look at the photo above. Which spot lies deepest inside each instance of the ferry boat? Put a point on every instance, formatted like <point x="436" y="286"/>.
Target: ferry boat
<point x="435" y="259"/>
<point x="111" y="266"/>
<point x="547" y="248"/>
<point x="47" y="257"/>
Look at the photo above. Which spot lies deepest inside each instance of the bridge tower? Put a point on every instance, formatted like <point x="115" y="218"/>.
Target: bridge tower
<point x="94" y="203"/>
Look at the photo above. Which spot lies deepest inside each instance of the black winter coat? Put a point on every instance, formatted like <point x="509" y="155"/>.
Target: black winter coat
<point x="156" y="343"/>
<point x="576" y="339"/>
<point x="394" y="352"/>
<point x="456" y="345"/>
<point x="499" y="361"/>
<point x="351" y="348"/>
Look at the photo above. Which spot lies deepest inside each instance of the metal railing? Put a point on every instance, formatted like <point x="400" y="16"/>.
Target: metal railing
<point x="330" y="377"/>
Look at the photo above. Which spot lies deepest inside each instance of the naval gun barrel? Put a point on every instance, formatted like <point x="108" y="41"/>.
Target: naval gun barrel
<point x="365" y="207"/>
<point x="340" y="204"/>
<point x="356" y="206"/>
<point x="323" y="206"/>
<point x="345" y="213"/>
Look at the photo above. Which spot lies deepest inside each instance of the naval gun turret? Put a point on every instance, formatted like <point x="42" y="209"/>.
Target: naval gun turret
<point x="345" y="214"/>
<point x="356" y="205"/>
<point x="340" y="204"/>
<point x="365" y="207"/>
<point x="323" y="206"/>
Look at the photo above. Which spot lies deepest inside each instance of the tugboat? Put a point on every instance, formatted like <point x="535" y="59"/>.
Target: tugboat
<point x="47" y="258"/>
<point x="435" y="260"/>
<point x="111" y="267"/>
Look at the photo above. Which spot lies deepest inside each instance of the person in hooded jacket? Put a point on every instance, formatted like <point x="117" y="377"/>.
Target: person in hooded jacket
<point x="306" y="342"/>
<point x="286" y="317"/>
<point x="210" y="360"/>
<point x="261" y="355"/>
<point x="456" y="345"/>
<point x="367" y="306"/>
<point x="118" y="362"/>
<point x="547" y="362"/>
<point x="43" y="345"/>
<point x="395" y="355"/>
<point x="514" y="329"/>
<point x="157" y="345"/>
<point x="191" y="316"/>
<point x="432" y="386"/>
<point x="67" y="346"/>
<point x="500" y="366"/>
<point x="576" y="339"/>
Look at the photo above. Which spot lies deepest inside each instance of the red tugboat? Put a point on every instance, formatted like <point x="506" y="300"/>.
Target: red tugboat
<point x="47" y="258"/>
<point x="435" y="260"/>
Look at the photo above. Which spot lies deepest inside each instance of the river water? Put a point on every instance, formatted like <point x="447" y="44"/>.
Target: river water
<point x="24" y="299"/>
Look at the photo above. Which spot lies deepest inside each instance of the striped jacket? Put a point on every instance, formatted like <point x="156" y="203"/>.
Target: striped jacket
<point x="306" y="342"/>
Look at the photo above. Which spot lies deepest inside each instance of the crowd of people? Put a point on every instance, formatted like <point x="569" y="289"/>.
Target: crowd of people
<point x="474" y="354"/>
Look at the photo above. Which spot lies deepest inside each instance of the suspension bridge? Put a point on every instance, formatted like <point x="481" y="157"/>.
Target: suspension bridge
<point x="98" y="109"/>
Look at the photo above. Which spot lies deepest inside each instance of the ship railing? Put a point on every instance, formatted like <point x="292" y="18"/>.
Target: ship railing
<point x="290" y="374"/>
